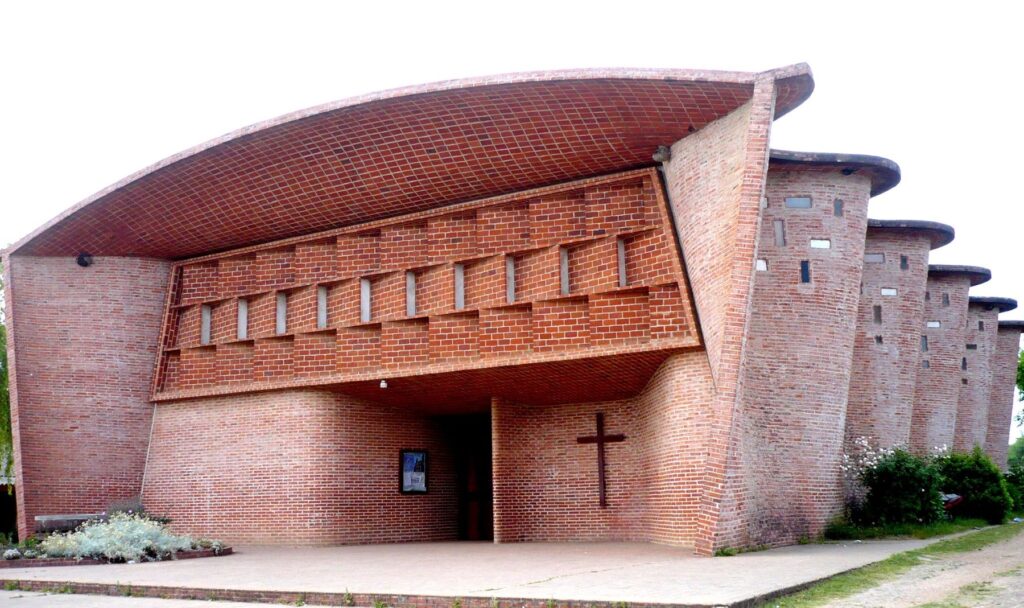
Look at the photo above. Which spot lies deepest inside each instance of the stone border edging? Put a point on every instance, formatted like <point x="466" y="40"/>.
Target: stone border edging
<point x="59" y="561"/>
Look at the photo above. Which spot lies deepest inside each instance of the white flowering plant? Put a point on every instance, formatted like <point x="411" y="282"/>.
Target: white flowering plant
<point x="123" y="537"/>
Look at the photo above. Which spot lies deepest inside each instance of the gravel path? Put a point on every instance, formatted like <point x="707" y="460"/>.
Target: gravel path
<point x="992" y="577"/>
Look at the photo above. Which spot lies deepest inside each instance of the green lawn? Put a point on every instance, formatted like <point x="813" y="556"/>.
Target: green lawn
<point x="848" y="531"/>
<point x="872" y="575"/>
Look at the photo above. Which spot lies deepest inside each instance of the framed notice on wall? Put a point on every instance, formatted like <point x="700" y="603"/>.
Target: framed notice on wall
<point x="413" y="479"/>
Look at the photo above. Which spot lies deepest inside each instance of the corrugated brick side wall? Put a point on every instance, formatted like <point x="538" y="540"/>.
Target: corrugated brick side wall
<point x="296" y="466"/>
<point x="976" y="376"/>
<point x="546" y="484"/>
<point x="1001" y="395"/>
<point x="938" y="386"/>
<point x="799" y="353"/>
<point x="86" y="342"/>
<point x="885" y="372"/>
<point x="715" y="180"/>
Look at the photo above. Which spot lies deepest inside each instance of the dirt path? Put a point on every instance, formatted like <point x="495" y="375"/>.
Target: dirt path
<point x="992" y="577"/>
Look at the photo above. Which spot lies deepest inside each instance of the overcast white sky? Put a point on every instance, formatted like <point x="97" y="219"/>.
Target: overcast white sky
<point x="93" y="91"/>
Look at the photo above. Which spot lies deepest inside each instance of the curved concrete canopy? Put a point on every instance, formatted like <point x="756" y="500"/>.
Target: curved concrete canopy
<point x="1003" y="304"/>
<point x="977" y="274"/>
<point x="939" y="234"/>
<point x="885" y="174"/>
<point x="401" y="151"/>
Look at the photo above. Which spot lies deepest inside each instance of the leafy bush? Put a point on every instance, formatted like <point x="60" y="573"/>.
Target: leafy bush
<point x="1015" y="484"/>
<point x="901" y="488"/>
<point x="124" y="537"/>
<point x="975" y="477"/>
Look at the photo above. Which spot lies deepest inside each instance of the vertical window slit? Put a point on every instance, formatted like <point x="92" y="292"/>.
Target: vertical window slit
<point x="321" y="307"/>
<point x="205" y="320"/>
<point x="281" y="325"/>
<point x="780" y="233"/>
<point x="410" y="294"/>
<point x="243" y="320"/>
<point x="510" y="279"/>
<point x="621" y="250"/>
<point x="563" y="270"/>
<point x="805" y="271"/>
<point x="460" y="286"/>
<point x="364" y="300"/>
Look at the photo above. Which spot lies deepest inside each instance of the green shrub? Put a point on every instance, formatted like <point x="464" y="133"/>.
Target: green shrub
<point x="975" y="477"/>
<point x="1015" y="484"/>
<point x="123" y="538"/>
<point x="901" y="488"/>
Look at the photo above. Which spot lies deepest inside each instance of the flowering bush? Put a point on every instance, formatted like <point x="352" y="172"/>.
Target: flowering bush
<point x="901" y="488"/>
<point x="128" y="537"/>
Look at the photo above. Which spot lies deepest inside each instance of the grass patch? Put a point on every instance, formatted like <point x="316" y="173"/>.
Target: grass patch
<point x="872" y="575"/>
<point x="842" y="530"/>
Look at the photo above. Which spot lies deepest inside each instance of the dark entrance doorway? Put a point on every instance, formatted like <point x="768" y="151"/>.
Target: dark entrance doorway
<point x="470" y="439"/>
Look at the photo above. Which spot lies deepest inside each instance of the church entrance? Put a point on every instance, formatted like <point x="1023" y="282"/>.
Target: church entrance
<point x="470" y="439"/>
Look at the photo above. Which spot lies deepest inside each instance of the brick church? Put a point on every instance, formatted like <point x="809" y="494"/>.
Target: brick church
<point x="559" y="306"/>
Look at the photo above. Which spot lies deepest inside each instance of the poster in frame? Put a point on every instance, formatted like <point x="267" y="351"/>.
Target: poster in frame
<point x="412" y="472"/>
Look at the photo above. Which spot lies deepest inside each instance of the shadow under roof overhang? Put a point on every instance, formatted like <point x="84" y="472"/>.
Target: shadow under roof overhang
<point x="977" y="274"/>
<point x="884" y="173"/>
<point x="401" y="151"/>
<point x="1003" y="304"/>
<point x="939" y="234"/>
<point x="1012" y="324"/>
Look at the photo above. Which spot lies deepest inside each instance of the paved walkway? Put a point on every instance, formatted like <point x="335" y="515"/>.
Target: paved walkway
<point x="637" y="573"/>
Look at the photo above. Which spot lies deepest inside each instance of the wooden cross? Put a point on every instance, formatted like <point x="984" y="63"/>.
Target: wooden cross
<point x="600" y="439"/>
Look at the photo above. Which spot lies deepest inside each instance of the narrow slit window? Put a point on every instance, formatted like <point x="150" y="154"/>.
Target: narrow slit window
<point x="365" y="300"/>
<point x="321" y="307"/>
<point x="874" y="258"/>
<point x="934" y="324"/>
<point x="780" y="233"/>
<point x="563" y="270"/>
<point x="764" y="202"/>
<point x="805" y="271"/>
<point x="972" y="347"/>
<point x="945" y="299"/>
<point x="620" y="245"/>
<point x="510" y="279"/>
<point x="981" y="326"/>
<point x="963" y="381"/>
<point x="904" y="262"/>
<point x="877" y="313"/>
<point x="927" y="296"/>
<point x="821" y="244"/>
<point x="837" y="207"/>
<point x="460" y="286"/>
<point x="798" y="202"/>
<point x="410" y="294"/>
<point x="926" y="364"/>
<point x="281" y="325"/>
<point x="924" y="344"/>
<point x="243" y="320"/>
<point x="963" y="363"/>
<point x="205" y="320"/>
<point x="761" y="265"/>
<point x="878" y="340"/>
<point x="889" y="291"/>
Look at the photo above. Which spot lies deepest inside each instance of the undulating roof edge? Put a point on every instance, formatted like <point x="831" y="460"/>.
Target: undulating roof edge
<point x="977" y="274"/>
<point x="885" y="173"/>
<point x="938" y="233"/>
<point x="1003" y="304"/>
<point x="796" y="81"/>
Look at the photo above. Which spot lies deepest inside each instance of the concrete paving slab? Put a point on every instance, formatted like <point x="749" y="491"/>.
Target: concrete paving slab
<point x="637" y="573"/>
<point x="34" y="599"/>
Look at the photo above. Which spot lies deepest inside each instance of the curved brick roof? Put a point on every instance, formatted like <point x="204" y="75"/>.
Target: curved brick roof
<point x="398" y="152"/>
<point x="977" y="274"/>
<point x="1003" y="304"/>
<point x="939" y="234"/>
<point x="885" y="174"/>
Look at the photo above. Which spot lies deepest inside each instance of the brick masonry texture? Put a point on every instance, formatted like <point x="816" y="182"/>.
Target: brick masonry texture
<point x="885" y="373"/>
<point x="1000" y="404"/>
<point x="804" y="360"/>
<point x="681" y="315"/>
<point x="301" y="466"/>
<point x="84" y="351"/>
<point x="937" y="393"/>
<point x="976" y="369"/>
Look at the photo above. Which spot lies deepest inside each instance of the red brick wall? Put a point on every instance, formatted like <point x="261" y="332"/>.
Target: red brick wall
<point x="546" y="484"/>
<point x="938" y="386"/>
<point x="715" y="181"/>
<point x="82" y="365"/>
<point x="885" y="375"/>
<point x="972" y="405"/>
<point x="1001" y="394"/>
<point x="587" y="218"/>
<point x="799" y="354"/>
<point x="301" y="466"/>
